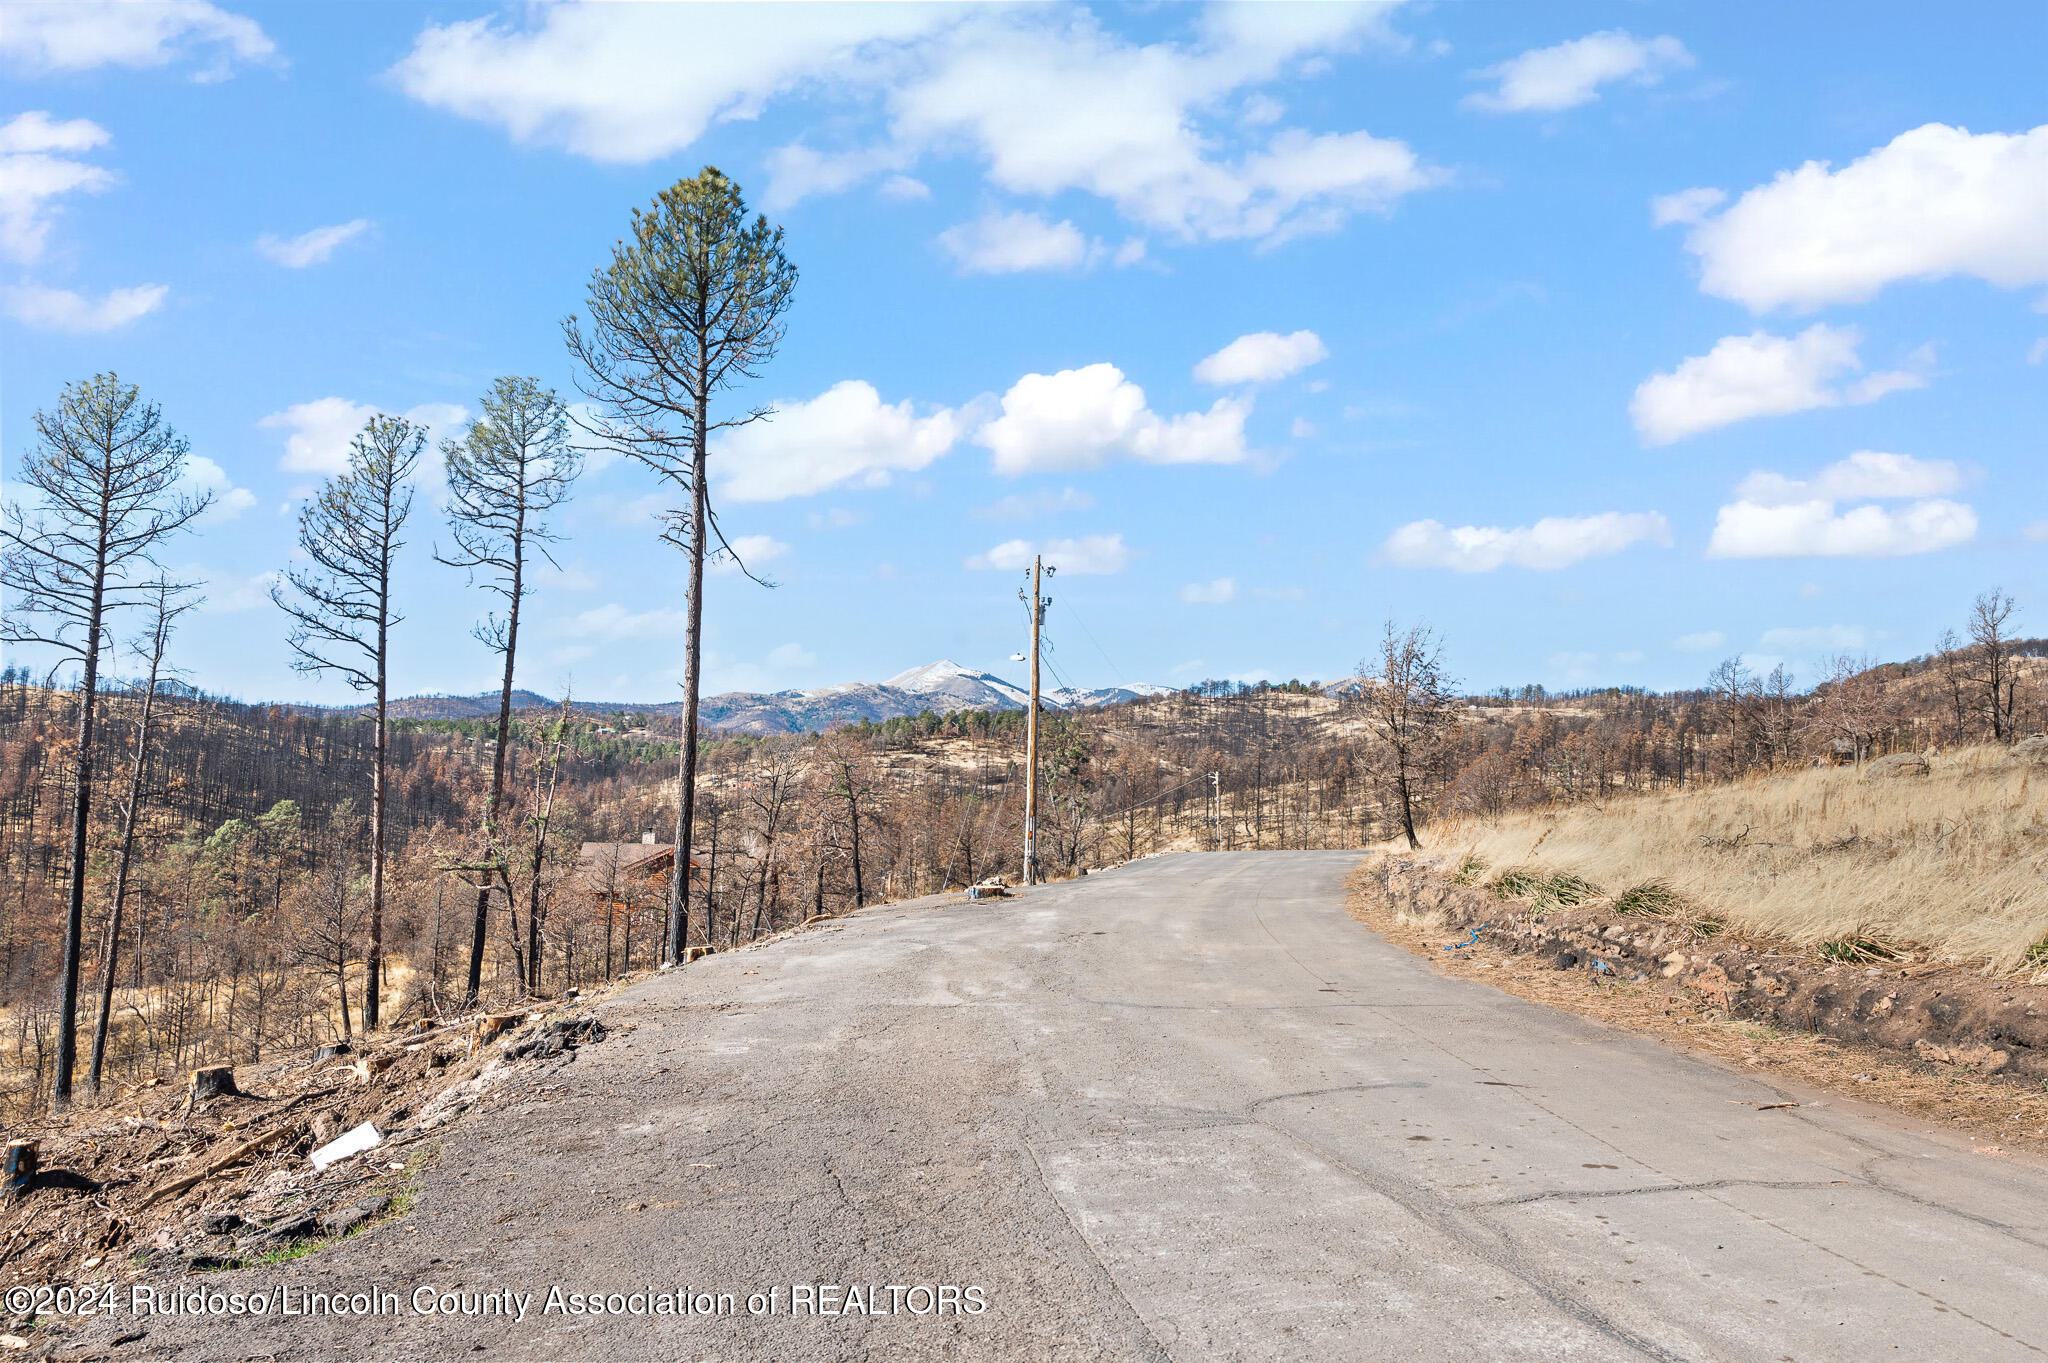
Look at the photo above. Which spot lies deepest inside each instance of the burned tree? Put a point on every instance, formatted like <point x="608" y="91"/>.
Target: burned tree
<point x="1410" y="703"/>
<point x="512" y="466"/>
<point x="104" y="494"/>
<point x="1992" y="665"/>
<point x="342" y="612"/>
<point x="690" y="305"/>
<point x="168" y="606"/>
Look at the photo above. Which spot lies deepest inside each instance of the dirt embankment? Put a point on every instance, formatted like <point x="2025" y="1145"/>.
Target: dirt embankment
<point x="1943" y="1043"/>
<point x="169" y="1178"/>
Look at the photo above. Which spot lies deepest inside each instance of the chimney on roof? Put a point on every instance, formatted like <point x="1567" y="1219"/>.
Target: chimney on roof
<point x="647" y="838"/>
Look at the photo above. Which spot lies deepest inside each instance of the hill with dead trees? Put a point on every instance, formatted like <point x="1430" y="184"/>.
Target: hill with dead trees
<point x="244" y="902"/>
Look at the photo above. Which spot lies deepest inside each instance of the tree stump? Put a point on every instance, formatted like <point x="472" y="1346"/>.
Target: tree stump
<point x="19" y="1168"/>
<point x="213" y="1081"/>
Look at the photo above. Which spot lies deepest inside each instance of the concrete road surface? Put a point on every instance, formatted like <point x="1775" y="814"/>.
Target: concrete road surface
<point x="1183" y="1109"/>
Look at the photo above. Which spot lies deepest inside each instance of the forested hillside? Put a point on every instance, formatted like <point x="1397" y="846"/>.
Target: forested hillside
<point x="245" y="922"/>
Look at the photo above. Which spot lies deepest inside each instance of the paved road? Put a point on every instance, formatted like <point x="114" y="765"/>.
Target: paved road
<point x="1189" y="1110"/>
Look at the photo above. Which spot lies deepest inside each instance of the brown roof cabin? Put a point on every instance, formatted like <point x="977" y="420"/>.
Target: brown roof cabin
<point x="629" y="874"/>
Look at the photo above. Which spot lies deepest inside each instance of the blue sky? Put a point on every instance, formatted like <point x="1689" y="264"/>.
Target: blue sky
<point x="1610" y="339"/>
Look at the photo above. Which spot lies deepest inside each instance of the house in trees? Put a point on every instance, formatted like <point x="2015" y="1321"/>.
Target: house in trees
<point x="627" y="875"/>
<point x="626" y="883"/>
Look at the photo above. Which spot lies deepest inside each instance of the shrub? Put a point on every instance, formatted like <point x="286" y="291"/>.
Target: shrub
<point x="1566" y="889"/>
<point x="1649" y="899"/>
<point x="1517" y="884"/>
<point x="1559" y="891"/>
<point x="1858" y="948"/>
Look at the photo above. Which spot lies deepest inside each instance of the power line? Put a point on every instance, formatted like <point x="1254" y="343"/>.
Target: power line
<point x="1152" y="799"/>
<point x="1114" y="670"/>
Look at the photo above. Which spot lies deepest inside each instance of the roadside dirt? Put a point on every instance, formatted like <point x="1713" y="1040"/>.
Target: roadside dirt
<point x="1420" y="906"/>
<point x="164" y="1179"/>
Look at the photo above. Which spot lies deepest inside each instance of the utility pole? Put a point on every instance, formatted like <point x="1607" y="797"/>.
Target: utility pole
<point x="1037" y="604"/>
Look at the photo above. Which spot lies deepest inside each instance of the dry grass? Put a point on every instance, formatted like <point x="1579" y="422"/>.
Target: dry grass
<point x="1952" y="866"/>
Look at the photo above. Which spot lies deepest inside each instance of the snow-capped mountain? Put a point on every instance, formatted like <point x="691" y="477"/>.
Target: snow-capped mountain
<point x="944" y="686"/>
<point x="953" y="687"/>
<point x="1076" y="699"/>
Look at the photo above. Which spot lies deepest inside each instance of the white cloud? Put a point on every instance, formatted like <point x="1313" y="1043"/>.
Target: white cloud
<point x="78" y="35"/>
<point x="1687" y="206"/>
<point x="632" y="83"/>
<point x="1551" y="543"/>
<point x="1760" y="375"/>
<point x="1933" y="202"/>
<point x="1261" y="111"/>
<point x="1262" y="357"/>
<point x="792" y="656"/>
<point x="1701" y="641"/>
<point x="1011" y="243"/>
<point x="37" y="131"/>
<point x="613" y="623"/>
<point x="2037" y="532"/>
<point x="1863" y="476"/>
<point x="33" y="178"/>
<point x="1047" y="99"/>
<point x="1025" y="506"/>
<point x="1097" y="555"/>
<point x="845" y="436"/>
<point x="756" y="551"/>
<point x="796" y="172"/>
<point x="573" y="576"/>
<point x="35" y="305"/>
<point x="1079" y="418"/>
<point x="905" y="188"/>
<point x="1302" y="429"/>
<point x="230" y="593"/>
<point x="1221" y="592"/>
<point x="320" y="432"/>
<point x="204" y="475"/>
<point x="635" y="513"/>
<point x="1816" y="639"/>
<point x="1547" y="79"/>
<point x="310" y="248"/>
<point x="1813" y="529"/>
<point x="2038" y="351"/>
<point x="1778" y="517"/>
<point x="584" y="417"/>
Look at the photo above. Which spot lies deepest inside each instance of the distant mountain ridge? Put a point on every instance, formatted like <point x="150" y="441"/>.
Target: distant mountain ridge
<point x="944" y="686"/>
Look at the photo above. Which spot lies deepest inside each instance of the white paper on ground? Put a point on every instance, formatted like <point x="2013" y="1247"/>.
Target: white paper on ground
<point x="364" y="1137"/>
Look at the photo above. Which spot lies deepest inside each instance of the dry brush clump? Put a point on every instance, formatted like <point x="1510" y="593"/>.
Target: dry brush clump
<point x="1860" y="867"/>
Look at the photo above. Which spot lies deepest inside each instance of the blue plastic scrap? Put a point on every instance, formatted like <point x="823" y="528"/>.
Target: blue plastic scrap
<point x="1469" y="940"/>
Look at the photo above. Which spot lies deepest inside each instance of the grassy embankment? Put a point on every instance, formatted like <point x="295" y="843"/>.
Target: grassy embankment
<point x="1950" y="867"/>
